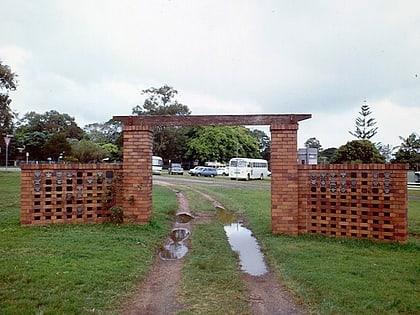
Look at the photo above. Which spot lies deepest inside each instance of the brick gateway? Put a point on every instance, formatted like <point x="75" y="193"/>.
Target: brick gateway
<point x="363" y="201"/>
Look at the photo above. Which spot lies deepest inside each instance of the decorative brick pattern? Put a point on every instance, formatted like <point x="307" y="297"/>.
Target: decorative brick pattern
<point x="357" y="201"/>
<point x="67" y="193"/>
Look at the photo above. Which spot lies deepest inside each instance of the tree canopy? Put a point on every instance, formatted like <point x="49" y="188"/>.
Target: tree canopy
<point x="8" y="82"/>
<point x="364" y="125"/>
<point x="409" y="151"/>
<point x="357" y="152"/>
<point x="221" y="143"/>
<point x="51" y="122"/>
<point x="161" y="101"/>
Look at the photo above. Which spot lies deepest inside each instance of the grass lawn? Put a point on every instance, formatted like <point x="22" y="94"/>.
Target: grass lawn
<point x="335" y="276"/>
<point x="73" y="269"/>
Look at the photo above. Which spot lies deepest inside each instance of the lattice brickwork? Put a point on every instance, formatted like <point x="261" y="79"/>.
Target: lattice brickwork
<point x="358" y="201"/>
<point x="67" y="193"/>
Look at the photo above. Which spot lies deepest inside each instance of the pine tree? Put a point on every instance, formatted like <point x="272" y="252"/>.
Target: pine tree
<point x="364" y="125"/>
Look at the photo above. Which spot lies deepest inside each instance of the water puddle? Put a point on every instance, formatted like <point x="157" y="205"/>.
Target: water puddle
<point x="173" y="251"/>
<point x="175" y="247"/>
<point x="183" y="217"/>
<point x="179" y="235"/>
<point x="243" y="242"/>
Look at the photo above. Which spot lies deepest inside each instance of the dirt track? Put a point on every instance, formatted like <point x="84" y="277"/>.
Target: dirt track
<point x="158" y="293"/>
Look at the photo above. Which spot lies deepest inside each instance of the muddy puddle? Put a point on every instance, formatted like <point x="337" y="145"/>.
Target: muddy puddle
<point x="243" y="242"/>
<point x="175" y="248"/>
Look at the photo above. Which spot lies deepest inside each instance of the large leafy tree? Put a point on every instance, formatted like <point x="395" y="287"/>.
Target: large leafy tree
<point x="34" y="144"/>
<point x="264" y="143"/>
<point x="212" y="143"/>
<point x="56" y="146"/>
<point x="108" y="132"/>
<point x="357" y="151"/>
<point x="51" y="122"/>
<point x="365" y="125"/>
<point x="409" y="152"/>
<point x="108" y="135"/>
<point x="45" y="135"/>
<point x="169" y="142"/>
<point x="85" y="151"/>
<point x="8" y="82"/>
<point x="325" y="156"/>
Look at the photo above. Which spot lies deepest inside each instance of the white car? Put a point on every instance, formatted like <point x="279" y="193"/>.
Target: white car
<point x="223" y="171"/>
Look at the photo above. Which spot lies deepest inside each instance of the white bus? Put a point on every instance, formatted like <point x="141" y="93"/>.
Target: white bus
<point x="157" y="163"/>
<point x="243" y="168"/>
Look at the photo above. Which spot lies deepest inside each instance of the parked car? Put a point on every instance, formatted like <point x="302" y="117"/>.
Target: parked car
<point x="175" y="169"/>
<point x="204" y="171"/>
<point x="224" y="171"/>
<point x="194" y="170"/>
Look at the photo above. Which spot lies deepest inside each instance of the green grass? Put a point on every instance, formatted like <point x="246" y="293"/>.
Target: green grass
<point x="73" y="269"/>
<point x="335" y="276"/>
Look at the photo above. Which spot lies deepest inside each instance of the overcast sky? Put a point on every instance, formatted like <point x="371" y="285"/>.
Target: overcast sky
<point x="91" y="59"/>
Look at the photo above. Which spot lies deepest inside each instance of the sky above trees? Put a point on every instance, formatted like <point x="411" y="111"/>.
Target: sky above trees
<point x="91" y="59"/>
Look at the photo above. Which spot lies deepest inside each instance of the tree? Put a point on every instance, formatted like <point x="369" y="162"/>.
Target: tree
<point x="51" y="122"/>
<point x="56" y="146"/>
<point x="85" y="151"/>
<point x="409" y="152"/>
<point x="169" y="142"/>
<point x="386" y="150"/>
<point x="364" y="125"/>
<point x="35" y="130"/>
<point x="357" y="151"/>
<point x="34" y="144"/>
<point x="108" y="132"/>
<point x="212" y="143"/>
<point x="325" y="156"/>
<point x="113" y="151"/>
<point x="313" y="143"/>
<point x="264" y="143"/>
<point x="8" y="82"/>
<point x="161" y="101"/>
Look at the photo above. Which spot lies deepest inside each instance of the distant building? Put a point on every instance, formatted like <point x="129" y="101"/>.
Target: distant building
<point x="308" y="156"/>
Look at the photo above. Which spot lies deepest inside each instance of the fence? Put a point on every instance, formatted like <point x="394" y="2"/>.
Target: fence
<point x="68" y="193"/>
<point x="358" y="201"/>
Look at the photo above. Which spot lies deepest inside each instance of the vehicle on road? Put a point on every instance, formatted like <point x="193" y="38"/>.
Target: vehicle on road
<point x="157" y="163"/>
<point x="244" y="168"/>
<point x="194" y="170"/>
<point x="203" y="171"/>
<point x="223" y="171"/>
<point x="175" y="169"/>
<point x="221" y="168"/>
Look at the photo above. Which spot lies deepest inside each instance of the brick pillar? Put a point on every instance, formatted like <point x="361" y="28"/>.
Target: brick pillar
<point x="136" y="197"/>
<point x="284" y="182"/>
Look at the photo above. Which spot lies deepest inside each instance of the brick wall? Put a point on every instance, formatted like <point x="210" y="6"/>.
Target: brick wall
<point x="136" y="196"/>
<point x="354" y="200"/>
<point x="68" y="193"/>
<point x="284" y="181"/>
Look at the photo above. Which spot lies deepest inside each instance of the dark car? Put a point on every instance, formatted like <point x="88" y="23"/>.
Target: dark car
<point x="204" y="171"/>
<point x="175" y="168"/>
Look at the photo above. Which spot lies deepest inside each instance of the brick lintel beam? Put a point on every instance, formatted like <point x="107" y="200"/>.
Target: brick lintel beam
<point x="212" y="120"/>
